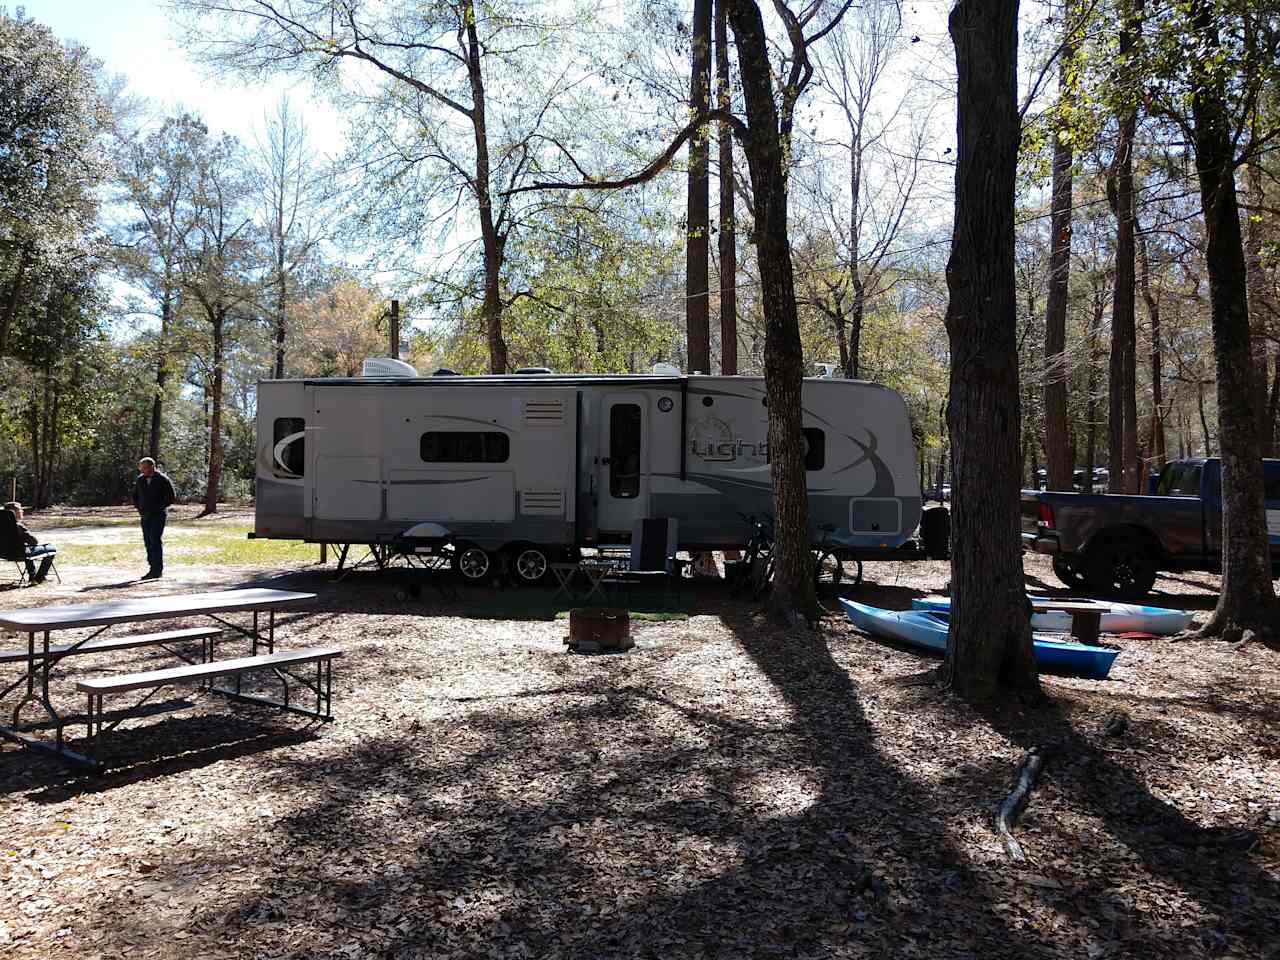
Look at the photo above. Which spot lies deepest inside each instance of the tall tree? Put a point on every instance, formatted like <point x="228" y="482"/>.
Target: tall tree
<point x="727" y="238"/>
<point x="464" y="113"/>
<point x="292" y="212"/>
<point x="1247" y="598"/>
<point x="989" y="650"/>
<point x="1123" y="416"/>
<point x="217" y="273"/>
<point x="1057" y="434"/>
<point x="697" y="308"/>
<point x="157" y="176"/>
<point x="51" y="160"/>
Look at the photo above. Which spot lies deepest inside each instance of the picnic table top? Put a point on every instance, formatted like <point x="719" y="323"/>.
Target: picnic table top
<point x="70" y="616"/>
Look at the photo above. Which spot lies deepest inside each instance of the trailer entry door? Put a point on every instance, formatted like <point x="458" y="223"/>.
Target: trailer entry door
<point x="623" y="481"/>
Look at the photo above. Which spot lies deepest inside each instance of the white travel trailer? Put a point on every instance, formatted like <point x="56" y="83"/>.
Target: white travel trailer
<point x="550" y="463"/>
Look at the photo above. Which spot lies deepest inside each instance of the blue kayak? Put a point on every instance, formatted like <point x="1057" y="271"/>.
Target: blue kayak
<point x="1116" y="617"/>
<point x="928" y="629"/>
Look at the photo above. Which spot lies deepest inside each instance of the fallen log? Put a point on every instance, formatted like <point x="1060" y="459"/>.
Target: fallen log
<point x="1010" y="811"/>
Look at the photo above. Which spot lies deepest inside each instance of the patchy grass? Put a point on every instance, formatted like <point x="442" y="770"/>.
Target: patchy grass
<point x="225" y="544"/>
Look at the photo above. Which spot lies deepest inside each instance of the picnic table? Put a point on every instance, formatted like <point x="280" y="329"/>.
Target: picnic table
<point x="41" y="657"/>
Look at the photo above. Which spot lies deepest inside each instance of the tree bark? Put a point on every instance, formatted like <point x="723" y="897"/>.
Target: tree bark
<point x="1259" y="299"/>
<point x="1057" y="441"/>
<point x="219" y="319"/>
<point x="1247" y="598"/>
<point x="728" y="238"/>
<point x="1158" y="450"/>
<point x="989" y="652"/>
<point x="492" y="240"/>
<point x="162" y="372"/>
<point x="697" y="306"/>
<point x="792" y="599"/>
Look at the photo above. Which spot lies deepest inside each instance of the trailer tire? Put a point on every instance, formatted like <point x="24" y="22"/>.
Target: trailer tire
<point x="529" y="563"/>
<point x="471" y="563"/>
<point x="1122" y="567"/>
<point x="1068" y="574"/>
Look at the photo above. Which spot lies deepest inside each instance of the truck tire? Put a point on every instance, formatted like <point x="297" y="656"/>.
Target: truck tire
<point x="1068" y="574"/>
<point x="1123" y="568"/>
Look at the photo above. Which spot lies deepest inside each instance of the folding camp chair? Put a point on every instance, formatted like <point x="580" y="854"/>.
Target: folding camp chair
<point x="24" y="579"/>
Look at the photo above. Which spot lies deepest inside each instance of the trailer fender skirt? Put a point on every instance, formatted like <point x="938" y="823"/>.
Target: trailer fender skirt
<point x="427" y="530"/>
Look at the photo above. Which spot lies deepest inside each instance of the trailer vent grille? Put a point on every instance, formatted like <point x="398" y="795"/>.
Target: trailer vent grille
<point x="542" y="503"/>
<point x="544" y="413"/>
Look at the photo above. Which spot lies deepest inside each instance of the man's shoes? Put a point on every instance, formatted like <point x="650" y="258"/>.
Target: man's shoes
<point x="150" y="575"/>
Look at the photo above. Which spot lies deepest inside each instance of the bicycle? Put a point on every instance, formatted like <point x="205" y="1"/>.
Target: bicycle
<point x="828" y="564"/>
<point x="757" y="557"/>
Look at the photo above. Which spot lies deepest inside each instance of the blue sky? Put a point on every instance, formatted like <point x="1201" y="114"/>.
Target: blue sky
<point x="132" y="37"/>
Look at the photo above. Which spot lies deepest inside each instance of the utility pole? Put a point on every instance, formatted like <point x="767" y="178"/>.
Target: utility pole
<point x="394" y="327"/>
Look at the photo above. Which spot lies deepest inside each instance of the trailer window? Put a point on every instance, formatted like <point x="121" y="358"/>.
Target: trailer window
<point x="624" y="451"/>
<point x="815" y="448"/>
<point x="289" y="446"/>
<point x="465" y="446"/>
<point x="1272" y="481"/>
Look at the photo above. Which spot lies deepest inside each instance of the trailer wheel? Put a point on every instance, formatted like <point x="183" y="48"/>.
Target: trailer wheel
<point x="471" y="562"/>
<point x="1122" y="568"/>
<point x="1067" y="573"/>
<point x="530" y="564"/>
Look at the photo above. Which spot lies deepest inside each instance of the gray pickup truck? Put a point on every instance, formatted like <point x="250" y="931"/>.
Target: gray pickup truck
<point x="1114" y="545"/>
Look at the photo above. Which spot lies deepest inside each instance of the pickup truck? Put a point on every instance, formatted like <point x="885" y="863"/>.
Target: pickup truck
<point x="1114" y="545"/>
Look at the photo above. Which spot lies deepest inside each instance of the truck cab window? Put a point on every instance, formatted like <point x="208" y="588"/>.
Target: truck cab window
<point x="289" y="446"/>
<point x="624" y="451"/>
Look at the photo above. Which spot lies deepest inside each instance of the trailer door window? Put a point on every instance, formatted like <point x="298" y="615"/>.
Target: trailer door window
<point x="465" y="446"/>
<point x="624" y="451"/>
<point x="289" y="446"/>
<point x="815" y="448"/>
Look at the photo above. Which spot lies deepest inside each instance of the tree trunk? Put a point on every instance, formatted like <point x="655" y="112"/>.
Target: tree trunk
<point x="1057" y="443"/>
<point x="10" y="309"/>
<point x="493" y="242"/>
<point x="215" y="414"/>
<point x="282" y="296"/>
<point x="728" y="239"/>
<point x="853" y="362"/>
<point x="792" y="599"/>
<point x="1247" y="598"/>
<point x="989" y="650"/>
<point x="1157" y="376"/>
<point x="1204" y="419"/>
<point x="697" y="306"/>
<point x="162" y="371"/>
<point x="1259" y="300"/>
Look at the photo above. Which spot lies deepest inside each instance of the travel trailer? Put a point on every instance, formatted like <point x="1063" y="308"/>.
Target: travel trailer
<point x="531" y="467"/>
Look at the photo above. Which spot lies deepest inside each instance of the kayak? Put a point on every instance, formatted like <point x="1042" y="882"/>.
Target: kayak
<point x="1116" y="617"/>
<point x="928" y="629"/>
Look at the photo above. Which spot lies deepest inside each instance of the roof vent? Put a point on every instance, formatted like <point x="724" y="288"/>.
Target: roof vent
<point x="387" y="367"/>
<point x="528" y="370"/>
<point x="664" y="369"/>
<point x="445" y="372"/>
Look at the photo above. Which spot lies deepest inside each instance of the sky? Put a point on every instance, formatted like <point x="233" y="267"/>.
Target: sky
<point x="133" y="38"/>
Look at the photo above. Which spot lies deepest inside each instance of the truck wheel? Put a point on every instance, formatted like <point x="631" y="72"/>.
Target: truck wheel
<point x="471" y="562"/>
<point x="530" y="564"/>
<point x="1067" y="574"/>
<point x="1121" y="568"/>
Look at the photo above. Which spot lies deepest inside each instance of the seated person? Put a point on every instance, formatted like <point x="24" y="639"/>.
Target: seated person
<point x="17" y="543"/>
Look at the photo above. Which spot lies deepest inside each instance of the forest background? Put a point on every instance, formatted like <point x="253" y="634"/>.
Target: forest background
<point x="153" y="269"/>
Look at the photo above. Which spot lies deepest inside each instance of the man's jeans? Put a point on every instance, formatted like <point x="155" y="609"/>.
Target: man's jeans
<point x="45" y="554"/>
<point x="152" y="536"/>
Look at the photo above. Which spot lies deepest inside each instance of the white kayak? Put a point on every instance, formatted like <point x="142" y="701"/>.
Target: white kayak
<point x="1116" y="617"/>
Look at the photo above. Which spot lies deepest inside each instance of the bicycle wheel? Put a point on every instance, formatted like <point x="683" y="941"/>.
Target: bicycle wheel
<point x="761" y="575"/>
<point x="827" y="569"/>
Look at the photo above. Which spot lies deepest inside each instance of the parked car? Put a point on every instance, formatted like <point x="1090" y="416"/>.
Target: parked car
<point x="1114" y="545"/>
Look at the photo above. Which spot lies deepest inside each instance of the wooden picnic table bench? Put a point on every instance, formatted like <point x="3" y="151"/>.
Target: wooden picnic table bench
<point x="41" y="657"/>
<point x="1086" y="616"/>
<point x="278" y="663"/>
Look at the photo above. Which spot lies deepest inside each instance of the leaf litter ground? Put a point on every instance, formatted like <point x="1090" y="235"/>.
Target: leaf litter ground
<point x="721" y="790"/>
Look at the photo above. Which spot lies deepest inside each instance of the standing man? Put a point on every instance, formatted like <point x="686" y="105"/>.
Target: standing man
<point x="153" y="494"/>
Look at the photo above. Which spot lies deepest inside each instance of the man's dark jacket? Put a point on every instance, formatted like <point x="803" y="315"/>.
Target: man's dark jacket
<point x="153" y="497"/>
<point x="14" y="537"/>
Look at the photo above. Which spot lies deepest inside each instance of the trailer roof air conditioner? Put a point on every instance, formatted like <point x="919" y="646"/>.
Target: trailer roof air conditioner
<point x="387" y="367"/>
